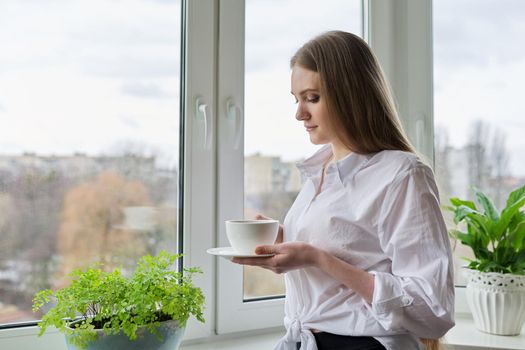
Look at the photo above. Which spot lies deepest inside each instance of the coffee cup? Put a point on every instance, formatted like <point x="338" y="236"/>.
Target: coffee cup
<point x="246" y="235"/>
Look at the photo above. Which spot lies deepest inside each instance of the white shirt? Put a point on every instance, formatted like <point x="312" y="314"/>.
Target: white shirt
<point x="380" y="213"/>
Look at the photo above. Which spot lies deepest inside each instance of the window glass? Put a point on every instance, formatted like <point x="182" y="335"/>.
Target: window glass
<point x="274" y="140"/>
<point x="478" y="82"/>
<point x="89" y="125"/>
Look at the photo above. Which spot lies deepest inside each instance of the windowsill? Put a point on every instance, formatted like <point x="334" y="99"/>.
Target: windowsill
<point x="463" y="336"/>
<point x="258" y="341"/>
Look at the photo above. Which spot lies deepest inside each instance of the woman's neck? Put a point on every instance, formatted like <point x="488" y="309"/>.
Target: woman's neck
<point x="339" y="152"/>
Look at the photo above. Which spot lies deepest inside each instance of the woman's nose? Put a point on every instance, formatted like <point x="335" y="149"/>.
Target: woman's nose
<point x="301" y="113"/>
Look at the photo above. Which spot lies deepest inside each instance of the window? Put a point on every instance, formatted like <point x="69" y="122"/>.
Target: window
<point x="227" y="71"/>
<point x="479" y="125"/>
<point x="89" y="139"/>
<point x="273" y="140"/>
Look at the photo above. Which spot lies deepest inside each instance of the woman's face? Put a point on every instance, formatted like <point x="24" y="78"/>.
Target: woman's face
<point x="311" y="106"/>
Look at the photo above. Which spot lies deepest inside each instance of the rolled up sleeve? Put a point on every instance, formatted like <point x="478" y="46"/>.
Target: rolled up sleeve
<point x="418" y="294"/>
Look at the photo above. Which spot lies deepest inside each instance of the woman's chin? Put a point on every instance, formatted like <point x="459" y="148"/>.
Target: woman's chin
<point x="317" y="141"/>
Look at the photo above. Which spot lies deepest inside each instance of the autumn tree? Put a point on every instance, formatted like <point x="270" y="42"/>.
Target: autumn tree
<point x="91" y="227"/>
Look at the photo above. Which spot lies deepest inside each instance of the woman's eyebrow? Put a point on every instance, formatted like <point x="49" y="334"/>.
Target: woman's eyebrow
<point x="305" y="91"/>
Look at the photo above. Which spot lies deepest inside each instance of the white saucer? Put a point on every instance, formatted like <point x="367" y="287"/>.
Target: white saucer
<point x="229" y="252"/>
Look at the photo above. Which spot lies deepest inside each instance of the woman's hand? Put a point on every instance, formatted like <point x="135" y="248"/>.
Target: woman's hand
<point x="288" y="256"/>
<point x="279" y="238"/>
<point x="296" y="255"/>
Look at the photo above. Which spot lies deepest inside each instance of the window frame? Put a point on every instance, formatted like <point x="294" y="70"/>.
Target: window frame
<point x="233" y="314"/>
<point x="198" y="148"/>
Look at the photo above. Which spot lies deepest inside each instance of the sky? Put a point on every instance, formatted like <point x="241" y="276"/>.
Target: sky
<point x="102" y="76"/>
<point x="479" y="69"/>
<point x="96" y="77"/>
<point x="269" y="47"/>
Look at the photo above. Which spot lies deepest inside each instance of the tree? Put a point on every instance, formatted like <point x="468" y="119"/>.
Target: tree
<point x="29" y="230"/>
<point x="442" y="162"/>
<point x="478" y="163"/>
<point x="487" y="160"/>
<point x="499" y="159"/>
<point x="91" y="223"/>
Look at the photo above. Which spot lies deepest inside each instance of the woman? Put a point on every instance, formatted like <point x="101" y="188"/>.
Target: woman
<point x="364" y="246"/>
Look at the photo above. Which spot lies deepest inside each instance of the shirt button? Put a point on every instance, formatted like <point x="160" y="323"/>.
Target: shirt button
<point x="405" y="300"/>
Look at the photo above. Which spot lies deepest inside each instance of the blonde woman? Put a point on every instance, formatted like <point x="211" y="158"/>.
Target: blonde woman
<point x="364" y="247"/>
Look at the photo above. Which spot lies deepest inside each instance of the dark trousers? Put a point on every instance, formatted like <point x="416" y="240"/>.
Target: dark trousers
<point x="329" y="341"/>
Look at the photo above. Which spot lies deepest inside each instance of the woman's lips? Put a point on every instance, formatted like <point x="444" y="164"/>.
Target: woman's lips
<point x="310" y="128"/>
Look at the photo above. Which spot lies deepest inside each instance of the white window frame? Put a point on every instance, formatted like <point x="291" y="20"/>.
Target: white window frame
<point x="199" y="143"/>
<point x="233" y="314"/>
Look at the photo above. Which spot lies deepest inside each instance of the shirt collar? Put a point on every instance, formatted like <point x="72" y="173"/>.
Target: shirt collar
<point x="312" y="165"/>
<point x="346" y="167"/>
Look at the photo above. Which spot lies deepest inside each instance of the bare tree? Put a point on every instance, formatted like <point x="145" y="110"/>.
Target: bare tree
<point x="488" y="159"/>
<point x="442" y="151"/>
<point x="478" y="166"/>
<point x="499" y="159"/>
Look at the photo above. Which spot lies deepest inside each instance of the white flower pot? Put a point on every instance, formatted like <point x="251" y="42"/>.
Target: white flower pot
<point x="497" y="301"/>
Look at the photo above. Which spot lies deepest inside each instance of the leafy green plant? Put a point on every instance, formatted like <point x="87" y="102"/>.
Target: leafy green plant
<point x="109" y="301"/>
<point x="496" y="238"/>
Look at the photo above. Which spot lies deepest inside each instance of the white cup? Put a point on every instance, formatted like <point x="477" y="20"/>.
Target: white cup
<point x="246" y="235"/>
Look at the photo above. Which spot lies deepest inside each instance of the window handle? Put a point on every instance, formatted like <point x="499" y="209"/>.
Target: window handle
<point x="202" y="113"/>
<point x="233" y="113"/>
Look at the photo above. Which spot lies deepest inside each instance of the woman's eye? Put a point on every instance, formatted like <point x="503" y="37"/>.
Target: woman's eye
<point x="312" y="99"/>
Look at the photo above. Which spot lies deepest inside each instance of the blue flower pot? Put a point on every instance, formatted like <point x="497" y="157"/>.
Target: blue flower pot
<point x="169" y="330"/>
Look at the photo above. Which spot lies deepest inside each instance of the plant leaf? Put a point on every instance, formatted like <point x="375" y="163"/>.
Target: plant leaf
<point x="515" y="195"/>
<point x="475" y="218"/>
<point x="517" y="236"/>
<point x="462" y="211"/>
<point x="462" y="237"/>
<point x="458" y="202"/>
<point x="488" y="206"/>
<point x="508" y="213"/>
<point x="517" y="219"/>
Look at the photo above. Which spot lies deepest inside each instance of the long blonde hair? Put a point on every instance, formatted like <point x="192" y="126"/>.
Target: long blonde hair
<point x="360" y="104"/>
<point x="359" y="100"/>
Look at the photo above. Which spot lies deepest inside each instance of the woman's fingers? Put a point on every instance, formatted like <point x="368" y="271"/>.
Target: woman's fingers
<point x="268" y="263"/>
<point x="262" y="262"/>
<point x="279" y="238"/>
<point x="260" y="250"/>
<point x="286" y="256"/>
<point x="267" y="249"/>
<point x="262" y="217"/>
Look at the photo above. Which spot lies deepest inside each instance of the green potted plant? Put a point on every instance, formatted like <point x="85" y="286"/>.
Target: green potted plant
<point x="496" y="276"/>
<point x="105" y="310"/>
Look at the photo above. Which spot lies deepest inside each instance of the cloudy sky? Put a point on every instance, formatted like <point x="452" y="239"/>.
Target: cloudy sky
<point x="92" y="76"/>
<point x="102" y="76"/>
<point x="269" y="105"/>
<point x="479" y="69"/>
